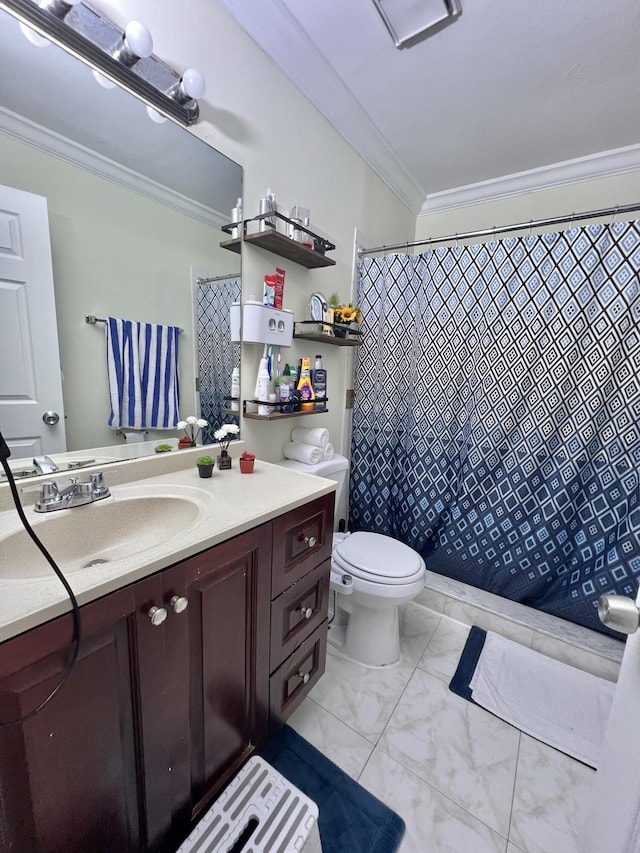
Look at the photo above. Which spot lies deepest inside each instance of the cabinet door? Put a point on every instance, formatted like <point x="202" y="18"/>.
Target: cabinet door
<point x="71" y="777"/>
<point x="225" y="627"/>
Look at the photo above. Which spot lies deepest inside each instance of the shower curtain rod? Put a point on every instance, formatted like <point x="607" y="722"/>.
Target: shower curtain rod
<point x="504" y="229"/>
<point x="217" y="278"/>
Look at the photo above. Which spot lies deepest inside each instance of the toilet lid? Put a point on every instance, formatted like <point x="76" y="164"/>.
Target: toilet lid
<point x="375" y="557"/>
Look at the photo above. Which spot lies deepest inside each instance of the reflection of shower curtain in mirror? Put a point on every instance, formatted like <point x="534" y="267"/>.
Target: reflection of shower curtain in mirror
<point x="497" y="407"/>
<point x="217" y="356"/>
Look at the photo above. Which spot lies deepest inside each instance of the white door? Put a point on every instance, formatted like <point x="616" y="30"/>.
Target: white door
<point x="613" y="810"/>
<point x="30" y="379"/>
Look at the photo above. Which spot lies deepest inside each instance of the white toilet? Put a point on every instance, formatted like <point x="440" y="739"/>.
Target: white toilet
<point x="371" y="574"/>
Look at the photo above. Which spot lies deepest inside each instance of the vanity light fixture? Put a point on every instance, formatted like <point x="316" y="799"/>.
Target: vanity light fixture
<point x="123" y="58"/>
<point x="408" y="20"/>
<point x="136" y="43"/>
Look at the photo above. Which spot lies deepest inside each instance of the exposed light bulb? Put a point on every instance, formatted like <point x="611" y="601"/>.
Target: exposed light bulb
<point x="192" y="83"/>
<point x="138" y="39"/>
<point x="103" y="81"/>
<point x="154" y="115"/>
<point x="33" y="36"/>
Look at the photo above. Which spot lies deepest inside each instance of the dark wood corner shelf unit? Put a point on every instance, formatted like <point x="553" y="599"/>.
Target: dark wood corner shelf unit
<point x="280" y="244"/>
<point x="274" y="416"/>
<point x="352" y="339"/>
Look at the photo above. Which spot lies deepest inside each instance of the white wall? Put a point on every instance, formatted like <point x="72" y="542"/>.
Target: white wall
<point x="254" y="115"/>
<point x="593" y="194"/>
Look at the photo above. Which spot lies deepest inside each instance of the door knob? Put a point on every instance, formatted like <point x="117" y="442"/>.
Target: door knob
<point x="157" y="615"/>
<point x="51" y="418"/>
<point x="311" y="541"/>
<point x="179" y="603"/>
<point x="619" y="613"/>
<point x="306" y="612"/>
<point x="304" y="676"/>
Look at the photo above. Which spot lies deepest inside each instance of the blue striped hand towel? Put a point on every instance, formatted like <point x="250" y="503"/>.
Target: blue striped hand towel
<point x="142" y="369"/>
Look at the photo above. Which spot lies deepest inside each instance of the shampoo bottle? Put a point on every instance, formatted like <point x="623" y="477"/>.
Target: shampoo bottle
<point x="236" y="219"/>
<point x="235" y="389"/>
<point x="263" y="388"/>
<point x="267" y="205"/>
<point x="305" y="388"/>
<point x="319" y="382"/>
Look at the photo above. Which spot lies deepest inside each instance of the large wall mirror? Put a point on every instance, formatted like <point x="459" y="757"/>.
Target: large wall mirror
<point x="134" y="212"/>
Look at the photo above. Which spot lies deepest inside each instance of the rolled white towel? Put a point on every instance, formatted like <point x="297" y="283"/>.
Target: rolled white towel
<point x="302" y="452"/>
<point x="328" y="451"/>
<point x="317" y="436"/>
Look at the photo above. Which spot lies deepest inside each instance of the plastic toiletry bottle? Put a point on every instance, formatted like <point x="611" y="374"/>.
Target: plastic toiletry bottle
<point x="236" y="219"/>
<point x="305" y="388"/>
<point x="235" y="389"/>
<point x="286" y="391"/>
<point x="263" y="388"/>
<point x="319" y="382"/>
<point x="267" y="205"/>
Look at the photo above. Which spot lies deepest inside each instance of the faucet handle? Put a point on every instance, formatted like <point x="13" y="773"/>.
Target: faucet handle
<point x="98" y="485"/>
<point x="48" y="490"/>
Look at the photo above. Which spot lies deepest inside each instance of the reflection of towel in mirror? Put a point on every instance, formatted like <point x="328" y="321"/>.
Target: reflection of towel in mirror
<point x="142" y="370"/>
<point x="302" y="452"/>
<point x="318" y="435"/>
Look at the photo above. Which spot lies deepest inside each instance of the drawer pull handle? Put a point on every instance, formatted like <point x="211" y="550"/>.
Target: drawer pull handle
<point x="157" y="615"/>
<point x="304" y="676"/>
<point x="179" y="603"/>
<point x="307" y="612"/>
<point x="311" y="541"/>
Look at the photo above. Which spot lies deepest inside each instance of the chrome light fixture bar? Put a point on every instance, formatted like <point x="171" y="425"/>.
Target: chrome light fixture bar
<point x="125" y="58"/>
<point x="408" y="20"/>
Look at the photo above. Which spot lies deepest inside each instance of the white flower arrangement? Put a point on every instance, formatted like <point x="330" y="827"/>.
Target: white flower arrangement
<point x="224" y="434"/>
<point x="192" y="427"/>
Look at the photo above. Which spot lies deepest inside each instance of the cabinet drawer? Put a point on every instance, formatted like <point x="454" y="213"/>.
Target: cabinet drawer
<point x="296" y="676"/>
<point x="302" y="539"/>
<point x="298" y="611"/>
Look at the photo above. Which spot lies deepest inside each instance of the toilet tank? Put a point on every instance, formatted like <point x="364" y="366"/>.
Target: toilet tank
<point x="336" y="468"/>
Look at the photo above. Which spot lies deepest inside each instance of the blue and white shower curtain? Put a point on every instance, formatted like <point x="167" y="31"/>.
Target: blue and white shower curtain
<point x="217" y="355"/>
<point x="496" y="422"/>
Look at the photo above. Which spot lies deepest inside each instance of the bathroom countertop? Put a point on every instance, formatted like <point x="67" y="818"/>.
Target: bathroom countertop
<point x="238" y="502"/>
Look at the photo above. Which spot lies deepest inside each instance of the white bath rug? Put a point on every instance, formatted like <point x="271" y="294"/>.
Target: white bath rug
<point x="553" y="702"/>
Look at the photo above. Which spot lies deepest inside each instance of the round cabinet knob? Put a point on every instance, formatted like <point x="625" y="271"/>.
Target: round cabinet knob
<point x="51" y="418"/>
<point x="307" y="612"/>
<point x="311" y="541"/>
<point x="619" y="613"/>
<point x="304" y="676"/>
<point x="157" y="615"/>
<point x="179" y="603"/>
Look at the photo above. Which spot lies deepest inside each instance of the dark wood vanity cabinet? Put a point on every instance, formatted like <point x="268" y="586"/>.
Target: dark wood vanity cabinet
<point x="158" y="713"/>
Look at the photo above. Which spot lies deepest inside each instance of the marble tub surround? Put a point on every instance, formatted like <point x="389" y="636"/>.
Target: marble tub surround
<point x="461" y="779"/>
<point x="232" y="503"/>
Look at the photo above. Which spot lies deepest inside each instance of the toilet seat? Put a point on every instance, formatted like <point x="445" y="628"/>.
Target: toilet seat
<point x="378" y="559"/>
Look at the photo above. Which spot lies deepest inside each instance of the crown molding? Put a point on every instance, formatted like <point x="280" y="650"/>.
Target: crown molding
<point x="278" y="34"/>
<point x="66" y="149"/>
<point x="603" y="164"/>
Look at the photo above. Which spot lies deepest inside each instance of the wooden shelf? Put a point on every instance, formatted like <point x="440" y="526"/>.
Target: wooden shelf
<point x="281" y="245"/>
<point x="275" y="416"/>
<point x="234" y="245"/>
<point x="322" y="338"/>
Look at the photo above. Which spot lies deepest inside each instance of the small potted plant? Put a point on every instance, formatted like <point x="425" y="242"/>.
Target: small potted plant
<point x="246" y="462"/>
<point x="205" y="465"/>
<point x="163" y="448"/>
<point x="223" y="437"/>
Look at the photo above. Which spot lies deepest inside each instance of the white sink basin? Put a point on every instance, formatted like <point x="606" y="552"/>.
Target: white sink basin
<point x="133" y="519"/>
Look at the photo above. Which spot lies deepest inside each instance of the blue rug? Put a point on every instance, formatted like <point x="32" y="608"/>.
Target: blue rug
<point x="351" y="820"/>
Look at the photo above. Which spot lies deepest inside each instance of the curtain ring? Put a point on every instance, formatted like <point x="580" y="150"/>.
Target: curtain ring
<point x="457" y="243"/>
<point x="530" y="226"/>
<point x="573" y="216"/>
<point x="615" y="213"/>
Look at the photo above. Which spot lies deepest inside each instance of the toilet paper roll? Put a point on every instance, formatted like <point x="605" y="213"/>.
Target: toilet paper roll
<point x="133" y="437"/>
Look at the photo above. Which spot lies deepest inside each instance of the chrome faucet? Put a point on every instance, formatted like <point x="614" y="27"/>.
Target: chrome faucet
<point x="76" y="494"/>
<point x="45" y="465"/>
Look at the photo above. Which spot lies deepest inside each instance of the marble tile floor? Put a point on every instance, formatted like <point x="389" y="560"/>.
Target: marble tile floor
<point x="462" y="779"/>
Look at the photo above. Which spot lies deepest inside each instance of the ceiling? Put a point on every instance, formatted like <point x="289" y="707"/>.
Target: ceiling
<point x="543" y="88"/>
